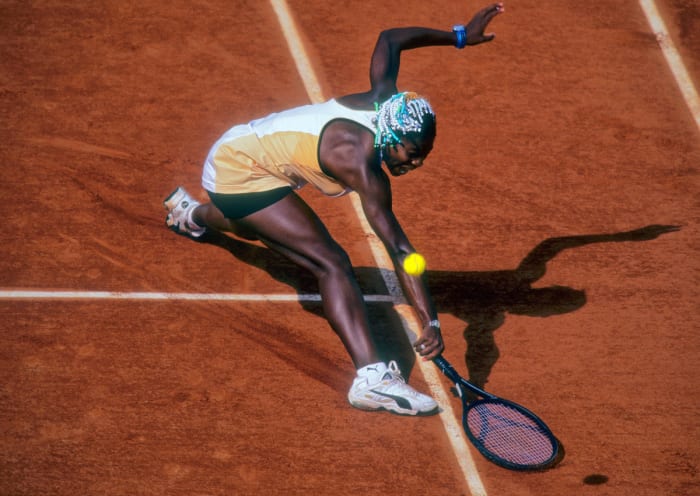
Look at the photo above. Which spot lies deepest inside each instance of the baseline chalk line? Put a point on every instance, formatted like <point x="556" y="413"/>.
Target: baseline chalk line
<point x="24" y="294"/>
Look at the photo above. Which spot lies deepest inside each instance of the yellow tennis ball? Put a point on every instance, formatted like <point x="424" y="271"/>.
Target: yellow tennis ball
<point x="414" y="264"/>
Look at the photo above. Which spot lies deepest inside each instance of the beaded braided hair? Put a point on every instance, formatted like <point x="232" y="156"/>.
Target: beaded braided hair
<point x="401" y="114"/>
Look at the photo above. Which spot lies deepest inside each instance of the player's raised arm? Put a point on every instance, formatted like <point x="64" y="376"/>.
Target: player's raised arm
<point x="384" y="66"/>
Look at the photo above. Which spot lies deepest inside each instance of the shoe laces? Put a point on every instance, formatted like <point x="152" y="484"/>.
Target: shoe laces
<point x="393" y="374"/>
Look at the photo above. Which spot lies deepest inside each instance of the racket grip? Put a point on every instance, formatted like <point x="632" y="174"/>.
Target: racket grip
<point x="447" y="369"/>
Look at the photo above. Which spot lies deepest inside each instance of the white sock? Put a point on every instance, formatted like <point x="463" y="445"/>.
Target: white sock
<point x="190" y="221"/>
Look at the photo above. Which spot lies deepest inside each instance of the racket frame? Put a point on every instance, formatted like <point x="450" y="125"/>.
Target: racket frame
<point x="461" y="385"/>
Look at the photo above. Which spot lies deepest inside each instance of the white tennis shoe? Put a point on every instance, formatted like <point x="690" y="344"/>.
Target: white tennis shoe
<point x="381" y="387"/>
<point x="180" y="206"/>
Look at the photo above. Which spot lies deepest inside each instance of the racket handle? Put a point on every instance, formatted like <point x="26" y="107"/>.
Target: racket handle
<point x="447" y="369"/>
<point x="460" y="381"/>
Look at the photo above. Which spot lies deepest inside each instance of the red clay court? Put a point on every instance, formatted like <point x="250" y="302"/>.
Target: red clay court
<point x="138" y="362"/>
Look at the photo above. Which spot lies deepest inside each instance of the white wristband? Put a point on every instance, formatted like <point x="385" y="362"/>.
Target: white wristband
<point x="434" y="323"/>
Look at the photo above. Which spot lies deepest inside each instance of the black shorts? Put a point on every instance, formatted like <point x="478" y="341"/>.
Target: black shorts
<point x="238" y="206"/>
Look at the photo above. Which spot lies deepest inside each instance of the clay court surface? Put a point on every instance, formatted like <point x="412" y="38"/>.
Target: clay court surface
<point x="555" y="140"/>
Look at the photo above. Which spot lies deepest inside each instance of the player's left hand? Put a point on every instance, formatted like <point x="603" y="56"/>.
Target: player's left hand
<point x="430" y="344"/>
<point x="475" y="27"/>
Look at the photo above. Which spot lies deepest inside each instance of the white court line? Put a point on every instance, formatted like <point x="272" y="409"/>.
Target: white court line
<point x="135" y="295"/>
<point x="304" y="67"/>
<point x="452" y="427"/>
<point x="430" y="373"/>
<point x="673" y="58"/>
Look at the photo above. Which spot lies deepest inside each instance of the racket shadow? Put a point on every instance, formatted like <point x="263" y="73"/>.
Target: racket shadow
<point x="483" y="299"/>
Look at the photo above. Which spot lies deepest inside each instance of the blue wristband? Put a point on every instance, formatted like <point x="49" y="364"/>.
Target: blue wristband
<point x="461" y="33"/>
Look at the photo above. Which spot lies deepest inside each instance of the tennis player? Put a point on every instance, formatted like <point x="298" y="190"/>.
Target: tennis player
<point x="251" y="174"/>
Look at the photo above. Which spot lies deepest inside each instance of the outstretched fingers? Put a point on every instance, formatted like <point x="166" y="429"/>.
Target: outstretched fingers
<point x="476" y="27"/>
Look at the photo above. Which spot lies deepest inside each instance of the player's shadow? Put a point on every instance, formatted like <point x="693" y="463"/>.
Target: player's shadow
<point x="483" y="299"/>
<point x="480" y="299"/>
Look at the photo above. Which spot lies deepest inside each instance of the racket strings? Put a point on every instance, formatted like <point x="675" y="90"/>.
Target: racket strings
<point x="509" y="434"/>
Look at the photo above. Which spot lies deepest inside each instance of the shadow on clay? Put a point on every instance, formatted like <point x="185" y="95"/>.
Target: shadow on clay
<point x="480" y="299"/>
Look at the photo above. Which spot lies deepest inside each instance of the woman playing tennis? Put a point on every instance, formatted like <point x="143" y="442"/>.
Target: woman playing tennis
<point x="338" y="146"/>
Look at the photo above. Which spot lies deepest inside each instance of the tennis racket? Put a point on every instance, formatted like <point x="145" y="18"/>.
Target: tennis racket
<point x="506" y="433"/>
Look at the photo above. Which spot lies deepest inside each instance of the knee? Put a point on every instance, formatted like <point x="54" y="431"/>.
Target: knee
<point x="335" y="263"/>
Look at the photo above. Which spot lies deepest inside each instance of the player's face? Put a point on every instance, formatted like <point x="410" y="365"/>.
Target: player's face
<point x="406" y="156"/>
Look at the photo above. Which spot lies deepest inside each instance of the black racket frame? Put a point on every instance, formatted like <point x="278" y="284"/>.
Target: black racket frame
<point x="461" y="384"/>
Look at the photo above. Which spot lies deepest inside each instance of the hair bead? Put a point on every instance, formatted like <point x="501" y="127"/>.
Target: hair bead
<point x="402" y="113"/>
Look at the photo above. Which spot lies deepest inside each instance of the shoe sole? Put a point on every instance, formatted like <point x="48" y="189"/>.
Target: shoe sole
<point x="395" y="409"/>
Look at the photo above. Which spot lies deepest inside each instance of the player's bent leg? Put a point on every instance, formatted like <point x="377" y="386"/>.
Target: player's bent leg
<point x="292" y="228"/>
<point x="188" y="216"/>
<point x="209" y="215"/>
<point x="381" y="387"/>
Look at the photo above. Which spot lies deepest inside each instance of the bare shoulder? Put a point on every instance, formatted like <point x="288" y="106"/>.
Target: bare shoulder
<point x="347" y="152"/>
<point x="359" y="101"/>
<point x="368" y="99"/>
